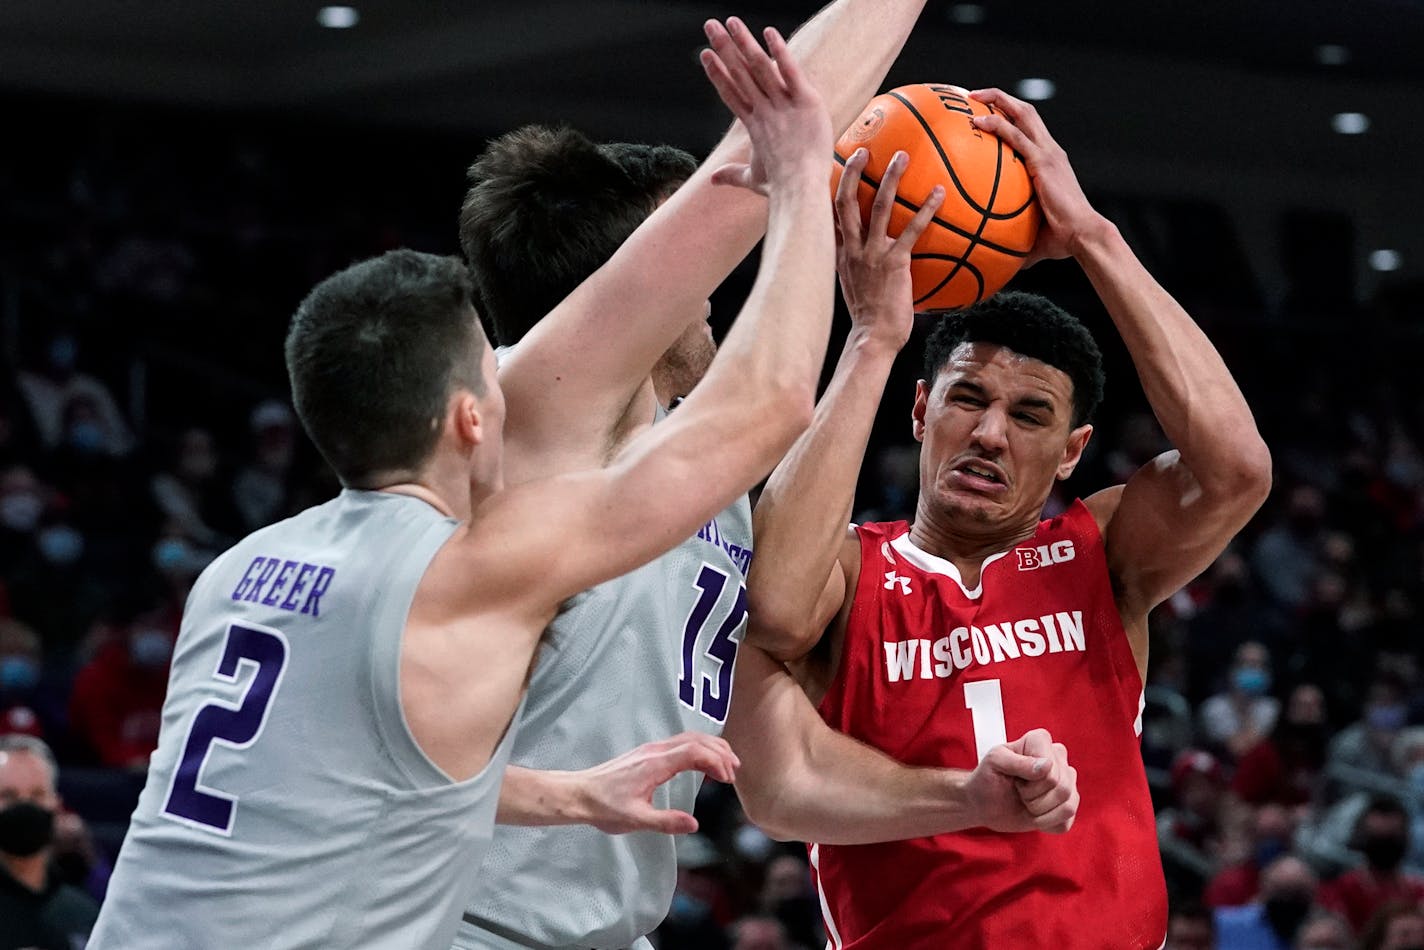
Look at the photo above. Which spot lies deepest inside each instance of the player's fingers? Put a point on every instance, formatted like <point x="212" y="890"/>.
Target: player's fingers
<point x="791" y="73"/>
<point x="1040" y="798"/>
<point x="1059" y="819"/>
<point x="1010" y="134"/>
<point x="1034" y="742"/>
<point x="921" y="220"/>
<point x="884" y="202"/>
<point x="1021" y="113"/>
<point x="739" y="176"/>
<point x="1005" y="761"/>
<point x="689" y="756"/>
<point x="669" y="821"/>
<point x="847" y="201"/>
<point x="761" y="68"/>
<point x="727" y="88"/>
<point x="730" y="53"/>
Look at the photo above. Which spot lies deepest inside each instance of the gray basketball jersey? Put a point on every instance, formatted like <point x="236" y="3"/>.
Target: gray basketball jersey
<point x="639" y="658"/>
<point x="287" y="805"/>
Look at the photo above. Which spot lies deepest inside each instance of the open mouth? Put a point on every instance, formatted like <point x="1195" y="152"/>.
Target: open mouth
<point x="979" y="475"/>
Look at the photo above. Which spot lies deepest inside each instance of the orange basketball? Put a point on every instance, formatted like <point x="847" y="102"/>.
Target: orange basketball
<point x="989" y="219"/>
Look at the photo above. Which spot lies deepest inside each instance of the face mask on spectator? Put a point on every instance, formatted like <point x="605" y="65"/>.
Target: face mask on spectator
<point x="1386" y="718"/>
<point x="1384" y="852"/>
<point x="86" y="437"/>
<point x="1268" y="849"/>
<point x="18" y="673"/>
<point x="20" y="511"/>
<point x="1251" y="680"/>
<point x="25" y="829"/>
<point x="171" y="554"/>
<point x="60" y="544"/>
<point x="150" y="648"/>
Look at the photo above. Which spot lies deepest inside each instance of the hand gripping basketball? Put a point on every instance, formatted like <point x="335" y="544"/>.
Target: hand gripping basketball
<point x="1067" y="215"/>
<point x="783" y="114"/>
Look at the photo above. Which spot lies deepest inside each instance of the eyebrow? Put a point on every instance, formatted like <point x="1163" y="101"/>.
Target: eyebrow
<point x="1026" y="402"/>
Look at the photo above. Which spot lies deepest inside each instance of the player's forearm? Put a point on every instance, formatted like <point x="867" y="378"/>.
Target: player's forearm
<point x="852" y="794"/>
<point x="1192" y="393"/>
<point x="537" y="797"/>
<point x="800" y="518"/>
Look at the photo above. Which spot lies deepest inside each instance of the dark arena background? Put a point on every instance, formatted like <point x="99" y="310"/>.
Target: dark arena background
<point x="175" y="176"/>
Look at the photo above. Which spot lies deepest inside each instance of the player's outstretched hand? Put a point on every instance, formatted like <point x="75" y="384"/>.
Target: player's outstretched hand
<point x="874" y="267"/>
<point x="785" y="117"/>
<point x="617" y="795"/>
<point x="1067" y="215"/>
<point x="1026" y="785"/>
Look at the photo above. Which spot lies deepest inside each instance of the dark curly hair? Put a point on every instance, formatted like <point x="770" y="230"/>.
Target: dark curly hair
<point x="546" y="208"/>
<point x="1032" y="326"/>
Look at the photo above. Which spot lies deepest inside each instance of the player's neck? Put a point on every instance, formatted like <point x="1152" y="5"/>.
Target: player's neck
<point x="940" y="534"/>
<point x="30" y="871"/>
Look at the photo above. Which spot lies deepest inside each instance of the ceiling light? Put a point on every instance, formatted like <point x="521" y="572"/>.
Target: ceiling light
<point x="1384" y="259"/>
<point x="1350" y="123"/>
<point x="338" y="18"/>
<point x="1036" y="90"/>
<point x="966" y="13"/>
<point x="1332" y="54"/>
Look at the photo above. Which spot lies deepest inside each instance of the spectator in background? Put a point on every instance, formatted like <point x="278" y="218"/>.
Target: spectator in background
<point x="68" y="404"/>
<point x="1190" y="926"/>
<point x="1287" y="555"/>
<point x="787" y="894"/>
<point x="115" y="708"/>
<point x="1395" y="927"/>
<point x="1286" y="768"/>
<point x="1365" y="745"/>
<point x="261" y="489"/>
<point x="1245" y="713"/>
<point x="759" y="933"/>
<point x="23" y="500"/>
<point x="36" y="908"/>
<point x="1248" y="851"/>
<point x="700" y="906"/>
<point x="191" y="497"/>
<point x="25" y="707"/>
<point x="19" y="438"/>
<point x="1227" y="611"/>
<point x="1287" y="896"/>
<point x="1189" y="829"/>
<point x="1325" y="931"/>
<point x="1382" y="836"/>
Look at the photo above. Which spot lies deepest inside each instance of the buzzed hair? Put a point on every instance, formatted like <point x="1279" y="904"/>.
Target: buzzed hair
<point x="374" y="352"/>
<point x="1031" y="326"/>
<point x="546" y="208"/>
<point x="35" y="746"/>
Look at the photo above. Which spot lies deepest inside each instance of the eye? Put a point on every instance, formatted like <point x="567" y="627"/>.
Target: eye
<point x="1028" y="418"/>
<point x="966" y="400"/>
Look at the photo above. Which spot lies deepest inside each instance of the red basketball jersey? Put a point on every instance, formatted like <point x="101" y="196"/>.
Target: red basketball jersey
<point x="936" y="674"/>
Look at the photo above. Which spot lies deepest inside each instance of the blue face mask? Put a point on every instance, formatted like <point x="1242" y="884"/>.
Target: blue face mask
<point x="86" y="437"/>
<point x="150" y="648"/>
<point x="170" y="554"/>
<point x="1251" y="681"/>
<point x="60" y="545"/>
<point x="1388" y="718"/>
<point x="18" y="674"/>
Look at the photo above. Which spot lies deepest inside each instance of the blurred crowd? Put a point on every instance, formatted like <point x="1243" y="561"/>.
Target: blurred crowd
<point x="144" y="426"/>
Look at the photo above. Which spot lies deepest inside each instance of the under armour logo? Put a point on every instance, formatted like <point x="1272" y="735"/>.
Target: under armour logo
<point x="892" y="578"/>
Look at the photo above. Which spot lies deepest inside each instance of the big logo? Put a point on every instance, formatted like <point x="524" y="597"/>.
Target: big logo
<point x="1031" y="559"/>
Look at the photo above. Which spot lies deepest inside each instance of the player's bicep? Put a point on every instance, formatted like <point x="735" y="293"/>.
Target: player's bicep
<point x="1162" y="529"/>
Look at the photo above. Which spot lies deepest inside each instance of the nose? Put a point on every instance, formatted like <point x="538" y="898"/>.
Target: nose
<point x="991" y="431"/>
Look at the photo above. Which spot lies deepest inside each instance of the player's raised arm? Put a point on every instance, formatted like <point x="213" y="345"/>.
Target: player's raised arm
<point x="1178" y="511"/>
<point x="801" y="780"/>
<point x="589" y="526"/>
<point x="595" y="350"/>
<point x="806" y="564"/>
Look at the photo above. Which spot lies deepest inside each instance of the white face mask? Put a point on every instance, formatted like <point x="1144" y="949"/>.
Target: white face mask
<point x="20" y="511"/>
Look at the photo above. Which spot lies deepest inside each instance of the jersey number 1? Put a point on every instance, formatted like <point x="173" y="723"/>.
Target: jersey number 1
<point x="985" y="702"/>
<point x="235" y="725"/>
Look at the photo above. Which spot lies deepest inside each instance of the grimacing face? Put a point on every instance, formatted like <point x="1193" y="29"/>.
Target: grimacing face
<point x="996" y="428"/>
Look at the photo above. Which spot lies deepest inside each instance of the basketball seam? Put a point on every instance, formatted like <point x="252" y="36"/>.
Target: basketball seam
<point x="948" y="226"/>
<point x="968" y="199"/>
<point x="983" y="223"/>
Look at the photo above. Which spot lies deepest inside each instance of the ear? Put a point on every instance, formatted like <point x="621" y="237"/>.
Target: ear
<point x="464" y="418"/>
<point x="1073" y="451"/>
<point x="917" y="414"/>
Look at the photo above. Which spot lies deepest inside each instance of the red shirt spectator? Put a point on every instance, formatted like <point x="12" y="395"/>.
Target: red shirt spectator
<point x="117" y="703"/>
<point x="1383" y="836"/>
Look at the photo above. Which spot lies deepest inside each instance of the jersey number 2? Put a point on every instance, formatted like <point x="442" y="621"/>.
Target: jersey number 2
<point x="235" y="725"/>
<point x="985" y="702"/>
<point x="722" y="649"/>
